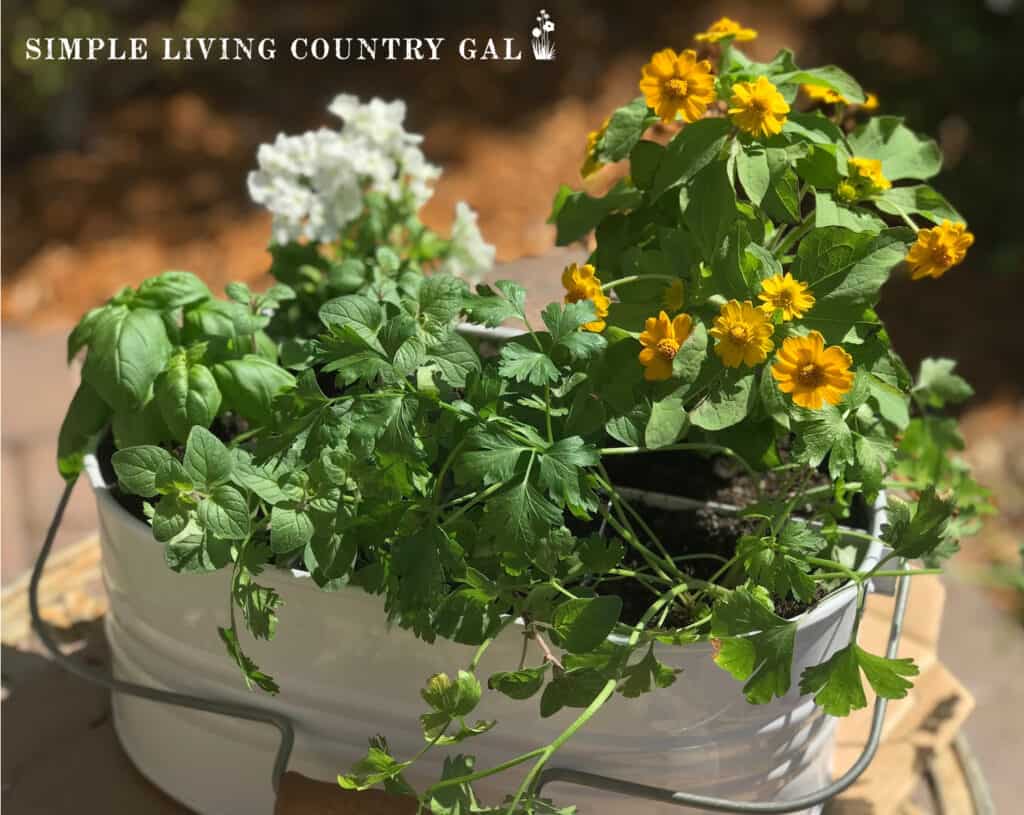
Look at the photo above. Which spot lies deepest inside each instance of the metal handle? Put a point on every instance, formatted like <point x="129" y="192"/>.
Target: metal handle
<point x="668" y="796"/>
<point x="223" y="708"/>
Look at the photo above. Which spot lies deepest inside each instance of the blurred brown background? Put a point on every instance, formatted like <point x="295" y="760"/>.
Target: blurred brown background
<point x="115" y="171"/>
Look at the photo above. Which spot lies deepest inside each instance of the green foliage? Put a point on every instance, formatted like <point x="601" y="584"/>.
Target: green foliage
<point x="340" y="423"/>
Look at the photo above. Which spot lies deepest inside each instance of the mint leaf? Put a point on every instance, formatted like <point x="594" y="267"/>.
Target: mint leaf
<point x="290" y="528"/>
<point x="837" y="686"/>
<point x="136" y="468"/>
<point x="584" y="624"/>
<point x="455" y="359"/>
<point x="440" y="301"/>
<point x="224" y="513"/>
<point x="207" y="461"/>
<point x="170" y="517"/>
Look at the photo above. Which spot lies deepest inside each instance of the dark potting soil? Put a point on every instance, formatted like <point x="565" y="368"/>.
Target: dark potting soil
<point x="701" y="531"/>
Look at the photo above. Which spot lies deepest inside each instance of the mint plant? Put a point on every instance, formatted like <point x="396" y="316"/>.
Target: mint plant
<point x="726" y="312"/>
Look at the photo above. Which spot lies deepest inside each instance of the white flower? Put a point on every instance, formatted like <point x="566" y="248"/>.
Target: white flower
<point x="549" y="26"/>
<point x="314" y="183"/>
<point x="470" y="255"/>
<point x="535" y="33"/>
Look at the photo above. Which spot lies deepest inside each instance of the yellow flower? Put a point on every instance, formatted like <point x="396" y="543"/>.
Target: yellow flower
<point x="581" y="283"/>
<point x="673" y="298"/>
<point x="812" y="373"/>
<point x="870" y="102"/>
<point x="821" y="93"/>
<point x="757" y="107"/>
<point x="726" y="27"/>
<point x="742" y="334"/>
<point x="847" y="192"/>
<point x="939" y="249"/>
<point x="784" y="293"/>
<point x="677" y="83"/>
<point x="870" y="171"/>
<point x="661" y="339"/>
<point x="590" y="162"/>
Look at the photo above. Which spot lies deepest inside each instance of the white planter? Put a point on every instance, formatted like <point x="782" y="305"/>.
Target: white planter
<point x="346" y="675"/>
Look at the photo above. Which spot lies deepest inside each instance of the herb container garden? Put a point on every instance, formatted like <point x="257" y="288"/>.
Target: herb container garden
<point x="339" y="465"/>
<point x="349" y="673"/>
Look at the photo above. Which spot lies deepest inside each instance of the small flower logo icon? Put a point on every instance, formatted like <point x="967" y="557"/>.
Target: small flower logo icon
<point x="542" y="42"/>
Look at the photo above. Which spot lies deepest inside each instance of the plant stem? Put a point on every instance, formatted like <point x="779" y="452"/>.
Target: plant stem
<point x="622" y="281"/>
<point x="793" y="237"/>
<point x="487" y="493"/>
<point x="881" y="573"/>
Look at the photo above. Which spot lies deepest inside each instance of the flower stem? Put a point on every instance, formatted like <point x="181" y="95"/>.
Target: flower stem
<point x="622" y="281"/>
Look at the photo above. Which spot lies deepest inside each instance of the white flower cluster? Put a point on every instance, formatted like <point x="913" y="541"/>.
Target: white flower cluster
<point x="314" y="183"/>
<point x="470" y="255"/>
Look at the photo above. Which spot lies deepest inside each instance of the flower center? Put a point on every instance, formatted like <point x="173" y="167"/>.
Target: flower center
<point x="668" y="348"/>
<point x="784" y="299"/>
<point x="943" y="255"/>
<point x="676" y="87"/>
<point x="740" y="334"/>
<point x="759" y="104"/>
<point x="810" y="375"/>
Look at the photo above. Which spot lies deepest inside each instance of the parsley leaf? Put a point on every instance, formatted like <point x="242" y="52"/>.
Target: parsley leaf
<point x="837" y="686"/>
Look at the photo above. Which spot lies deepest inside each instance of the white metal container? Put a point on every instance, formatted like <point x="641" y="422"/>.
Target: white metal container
<point x="346" y="675"/>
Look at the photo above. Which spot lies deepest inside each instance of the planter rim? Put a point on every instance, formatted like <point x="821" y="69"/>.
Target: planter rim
<point x="301" y="579"/>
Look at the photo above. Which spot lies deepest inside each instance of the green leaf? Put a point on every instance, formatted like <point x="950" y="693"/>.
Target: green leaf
<point x="249" y="386"/>
<point x="580" y="213"/>
<point x="937" y="385"/>
<point x="625" y="128"/>
<point x="728" y="403"/>
<point x="290" y="529"/>
<point x="646" y="674"/>
<point x="710" y="210"/>
<point x="207" y="461"/>
<point x="224" y="319"/>
<point x="192" y="552"/>
<point x="689" y="152"/>
<point x="356" y="318"/>
<point x="334" y="553"/>
<point x="821" y="433"/>
<point x="518" y="517"/>
<point x="837" y="686"/>
<point x="752" y="171"/>
<point x="257" y="480"/>
<point x="575" y="688"/>
<point x="917" y="200"/>
<point x="136" y="468"/>
<point x="643" y="163"/>
<point x="690" y="357"/>
<point x="918" y="533"/>
<point x="250" y="671"/>
<point x="81" y="334"/>
<point x="224" y="513"/>
<point x="492" y="308"/>
<point x="828" y="75"/>
<point x="440" y="301"/>
<point x="170" y="517"/>
<point x="259" y="606"/>
<point x="902" y="152"/>
<point x="521" y="684"/>
<point x="455" y="359"/>
<point x="87" y="415"/>
<point x="562" y="465"/>
<point x="599" y="555"/>
<point x="187" y="395"/>
<point x="584" y="624"/>
<point x="823" y="166"/>
<point x="525" y="364"/>
<point x="377" y="767"/>
<point x="490" y="457"/>
<point x="564" y="323"/>
<point x="830" y="212"/>
<point x="171" y="290"/>
<point x="452" y="697"/>
<point x="127" y="351"/>
<point x="756" y="645"/>
<point x="667" y="422"/>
